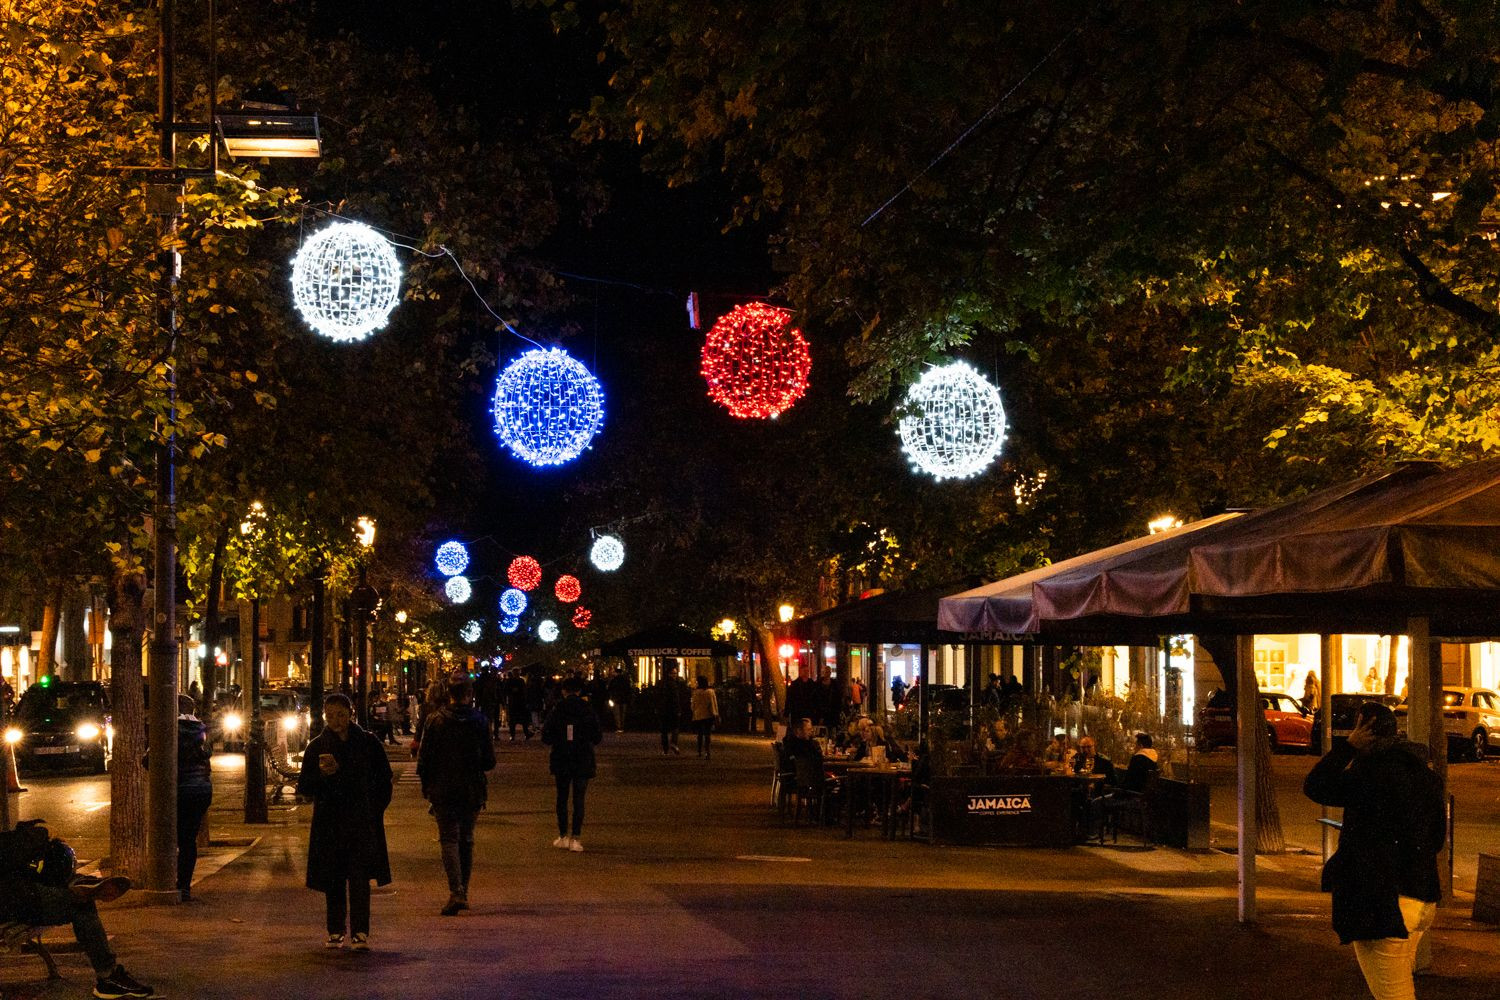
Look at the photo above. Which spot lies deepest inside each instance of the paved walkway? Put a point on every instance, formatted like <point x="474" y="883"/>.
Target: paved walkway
<point x="692" y="887"/>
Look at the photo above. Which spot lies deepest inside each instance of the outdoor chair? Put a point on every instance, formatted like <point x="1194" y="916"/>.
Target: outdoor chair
<point x="812" y="789"/>
<point x="783" y="777"/>
<point x="1132" y="810"/>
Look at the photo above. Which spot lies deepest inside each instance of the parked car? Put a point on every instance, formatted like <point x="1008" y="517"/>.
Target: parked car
<point x="1287" y="725"/>
<point x="62" y="724"/>
<point x="283" y="709"/>
<point x="1471" y="720"/>
<point x="1344" y="709"/>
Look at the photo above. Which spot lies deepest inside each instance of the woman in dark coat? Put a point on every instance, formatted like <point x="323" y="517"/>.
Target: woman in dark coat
<point x="572" y="731"/>
<point x="347" y="775"/>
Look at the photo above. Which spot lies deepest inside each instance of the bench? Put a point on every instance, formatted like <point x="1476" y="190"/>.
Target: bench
<point x="17" y="936"/>
<point x="281" y="770"/>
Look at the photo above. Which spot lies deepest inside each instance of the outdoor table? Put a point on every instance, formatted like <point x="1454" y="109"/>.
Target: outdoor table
<point x="888" y="777"/>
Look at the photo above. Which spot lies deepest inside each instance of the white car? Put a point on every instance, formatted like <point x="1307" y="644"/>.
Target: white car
<point x="1471" y="718"/>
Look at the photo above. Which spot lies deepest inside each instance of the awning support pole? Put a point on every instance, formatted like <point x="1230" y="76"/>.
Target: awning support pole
<point x="1248" y="718"/>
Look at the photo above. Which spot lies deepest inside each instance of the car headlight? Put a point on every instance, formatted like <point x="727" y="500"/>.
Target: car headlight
<point x="233" y="722"/>
<point x="13" y="735"/>
<point x="87" y="732"/>
<point x="289" y="723"/>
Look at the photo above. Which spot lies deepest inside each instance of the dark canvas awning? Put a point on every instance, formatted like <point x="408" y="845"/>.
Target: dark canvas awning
<point x="904" y="616"/>
<point x="667" y="640"/>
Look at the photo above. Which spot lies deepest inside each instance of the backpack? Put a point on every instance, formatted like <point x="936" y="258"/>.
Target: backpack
<point x="23" y="850"/>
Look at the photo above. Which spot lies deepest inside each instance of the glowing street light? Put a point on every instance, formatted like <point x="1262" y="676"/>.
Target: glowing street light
<point x="786" y="613"/>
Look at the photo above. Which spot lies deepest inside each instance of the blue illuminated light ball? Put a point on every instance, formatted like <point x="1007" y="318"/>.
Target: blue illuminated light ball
<point x="458" y="590"/>
<point x="513" y="601"/>
<point x="546" y="630"/>
<point x="608" y="553"/>
<point x="547" y="407"/>
<point x="452" y="558"/>
<point x="470" y="632"/>
<point x="509" y="624"/>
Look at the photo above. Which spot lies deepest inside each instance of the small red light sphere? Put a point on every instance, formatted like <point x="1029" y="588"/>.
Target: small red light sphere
<point x="582" y="617"/>
<point x="567" y="589"/>
<point x="524" y="573"/>
<point x="756" y="363"/>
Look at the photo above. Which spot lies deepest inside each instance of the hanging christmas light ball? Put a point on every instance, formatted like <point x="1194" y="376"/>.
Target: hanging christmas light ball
<point x="582" y="617"/>
<point x="458" y="590"/>
<point x="567" y="589"/>
<point x="607" y="553"/>
<point x="755" y="361"/>
<point x="951" y="423"/>
<point x="546" y="630"/>
<point x="470" y="632"/>
<point x="345" y="281"/>
<point x="452" y="558"/>
<point x="513" y="602"/>
<point x="548" y="407"/>
<point x="524" y="573"/>
<point x="509" y="624"/>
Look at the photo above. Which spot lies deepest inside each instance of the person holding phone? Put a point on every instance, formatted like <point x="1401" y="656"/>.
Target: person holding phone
<point x="347" y="775"/>
<point x="572" y="730"/>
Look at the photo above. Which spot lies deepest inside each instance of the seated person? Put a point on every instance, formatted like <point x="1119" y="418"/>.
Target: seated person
<point x="32" y="899"/>
<point x="800" y="743"/>
<point x="1022" y="754"/>
<point x="1143" y="765"/>
<point x="1058" y="755"/>
<point x="863" y="738"/>
<point x="997" y="736"/>
<point x="1090" y="761"/>
<point x="895" y="753"/>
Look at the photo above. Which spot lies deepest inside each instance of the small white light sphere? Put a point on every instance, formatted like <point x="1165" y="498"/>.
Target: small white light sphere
<point x="547" y="407"/>
<point x="951" y="423"/>
<point x="458" y="590"/>
<point x="345" y="281"/>
<point x="607" y="554"/>
<point x="546" y="630"/>
<point x="452" y="558"/>
<point x="470" y="632"/>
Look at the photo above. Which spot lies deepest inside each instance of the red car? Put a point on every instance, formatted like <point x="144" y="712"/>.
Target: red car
<point x="1287" y="725"/>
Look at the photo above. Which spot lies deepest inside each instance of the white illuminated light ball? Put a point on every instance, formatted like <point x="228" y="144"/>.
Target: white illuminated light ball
<point x="458" y="590"/>
<point x="546" y="630"/>
<point x="547" y="407"/>
<point x="608" y="553"/>
<point x="452" y="558"/>
<point x="509" y="624"/>
<point x="345" y="281"/>
<point x="951" y="423"/>
<point x="513" y="601"/>
<point x="470" y="632"/>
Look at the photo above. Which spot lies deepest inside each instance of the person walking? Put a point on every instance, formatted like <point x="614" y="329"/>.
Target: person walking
<point x="669" y="708"/>
<point x="1384" y="875"/>
<point x="572" y="731"/>
<point x="456" y="752"/>
<point x="621" y="691"/>
<point x="347" y="775"/>
<point x="517" y="711"/>
<point x="195" y="790"/>
<point x="705" y="706"/>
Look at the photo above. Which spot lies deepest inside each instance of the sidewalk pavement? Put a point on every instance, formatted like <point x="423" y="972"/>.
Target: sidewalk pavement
<point x="691" y="886"/>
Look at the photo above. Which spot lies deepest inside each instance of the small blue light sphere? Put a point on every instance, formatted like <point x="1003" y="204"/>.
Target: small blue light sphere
<point x="546" y="630"/>
<point x="458" y="590"/>
<point x="607" y="554"/>
<point x="345" y="281"/>
<point x="509" y="624"/>
<point x="470" y="632"/>
<point x="548" y="407"/>
<point x="513" y="601"/>
<point x="452" y="558"/>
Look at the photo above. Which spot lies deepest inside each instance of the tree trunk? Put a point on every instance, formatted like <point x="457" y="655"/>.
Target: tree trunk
<point x="211" y="616"/>
<point x="46" y="658"/>
<point x="127" y="780"/>
<point x="771" y="659"/>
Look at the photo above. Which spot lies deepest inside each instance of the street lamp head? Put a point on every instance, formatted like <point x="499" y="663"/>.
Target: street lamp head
<point x="283" y="134"/>
<point x="727" y="626"/>
<point x="364" y="531"/>
<point x="786" y="613"/>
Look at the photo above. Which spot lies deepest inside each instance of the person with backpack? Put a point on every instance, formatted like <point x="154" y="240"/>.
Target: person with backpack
<point x="456" y="752"/>
<point x="38" y="887"/>
<point x="195" y="790"/>
<point x="572" y="730"/>
<point x="1384" y="875"/>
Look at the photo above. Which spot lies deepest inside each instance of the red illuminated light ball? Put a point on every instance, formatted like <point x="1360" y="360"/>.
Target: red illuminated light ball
<point x="582" y="617"/>
<point x="756" y="363"/>
<point x="524" y="573"/>
<point x="567" y="589"/>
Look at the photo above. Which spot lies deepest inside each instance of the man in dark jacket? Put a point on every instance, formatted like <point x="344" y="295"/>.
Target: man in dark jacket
<point x="1384" y="876"/>
<point x="572" y="731"/>
<point x="195" y="790"/>
<point x="669" y="697"/>
<point x="347" y="775"/>
<point x="456" y="753"/>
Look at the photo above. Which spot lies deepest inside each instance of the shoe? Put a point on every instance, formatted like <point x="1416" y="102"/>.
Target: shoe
<point x="574" y="845"/>
<point x="101" y="890"/>
<point x="361" y="942"/>
<point x="561" y="842"/>
<point x="334" y="941"/>
<point x="119" y="984"/>
<point x="454" y="904"/>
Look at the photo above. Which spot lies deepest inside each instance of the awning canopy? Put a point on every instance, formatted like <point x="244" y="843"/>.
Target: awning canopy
<point x="1364" y="556"/>
<point x="667" y="640"/>
<point x="900" y="616"/>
